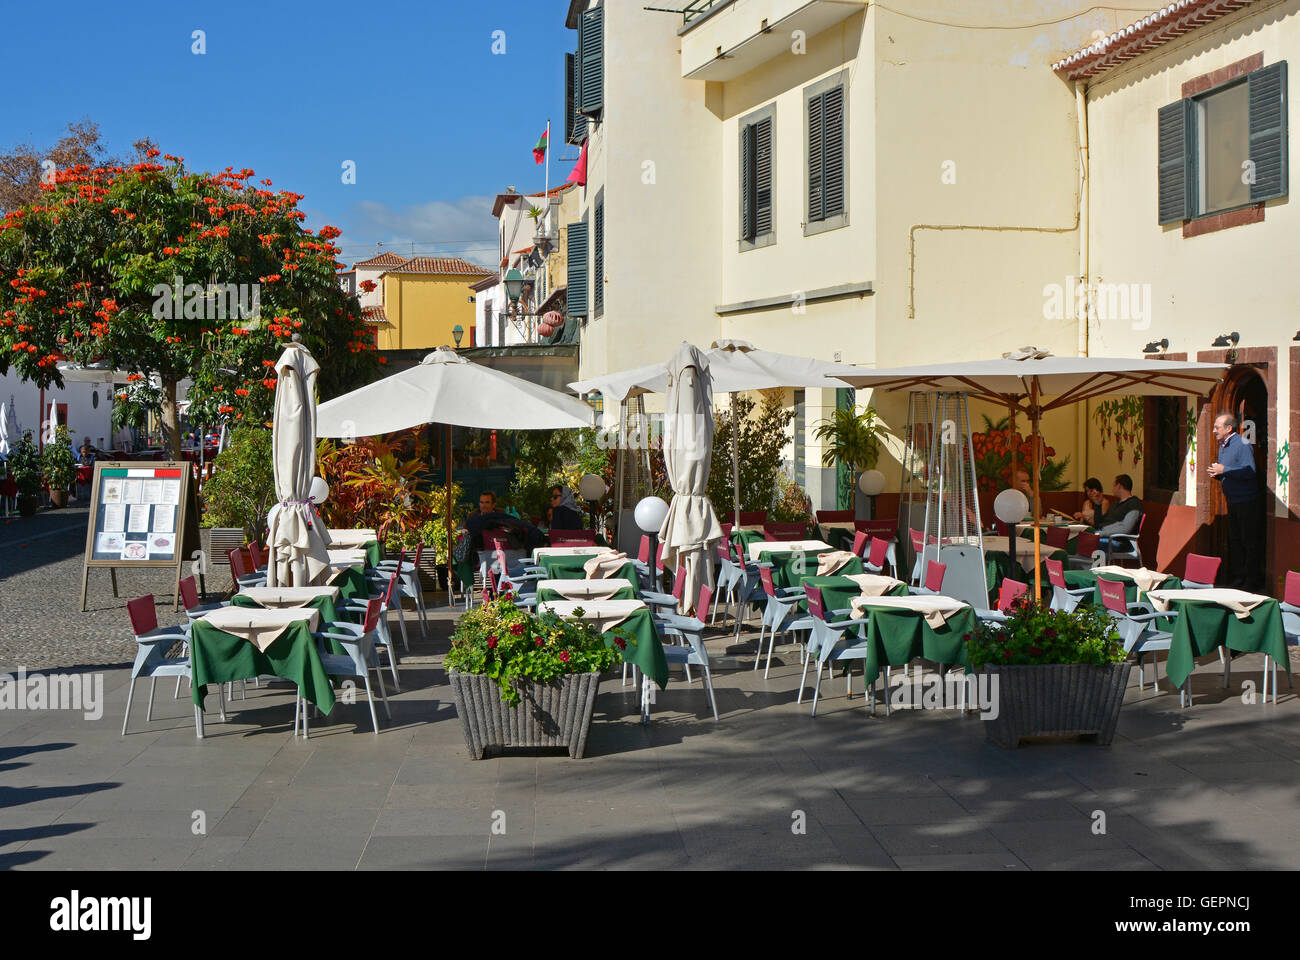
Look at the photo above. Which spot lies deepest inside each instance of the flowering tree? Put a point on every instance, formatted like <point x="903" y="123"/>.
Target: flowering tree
<point x="168" y="274"/>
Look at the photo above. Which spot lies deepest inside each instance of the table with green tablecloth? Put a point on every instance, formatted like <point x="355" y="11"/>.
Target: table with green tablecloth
<point x="220" y="657"/>
<point x="548" y="593"/>
<point x="572" y="567"/>
<point x="352" y="584"/>
<point x="1201" y="626"/>
<point x="328" y="613"/>
<point x="373" y="556"/>
<point x="838" y="590"/>
<point x="647" y="653"/>
<point x="743" y="538"/>
<point x="788" y="566"/>
<point x="895" y="637"/>
<point x="1078" y="579"/>
<point x="998" y="565"/>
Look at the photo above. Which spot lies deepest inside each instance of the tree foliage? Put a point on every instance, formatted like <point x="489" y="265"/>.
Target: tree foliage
<point x="762" y="438"/>
<point x="153" y="269"/>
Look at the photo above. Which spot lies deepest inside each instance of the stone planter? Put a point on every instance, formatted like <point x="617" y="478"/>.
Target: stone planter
<point x="554" y="714"/>
<point x="58" y="499"/>
<point x="1057" y="700"/>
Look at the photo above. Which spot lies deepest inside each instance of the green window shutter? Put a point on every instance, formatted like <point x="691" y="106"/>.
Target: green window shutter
<point x="573" y="106"/>
<point x="747" y="182"/>
<point x="575" y="297"/>
<point x="1267" y="95"/>
<point x="816" y="164"/>
<point x="591" y="49"/>
<point x="1173" y="124"/>
<point x="763" y="176"/>
<point x="598" y="273"/>
<point x="570" y="105"/>
<point x="833" y="152"/>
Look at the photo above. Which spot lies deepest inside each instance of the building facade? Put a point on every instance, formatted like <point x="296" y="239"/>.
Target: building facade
<point x="423" y="300"/>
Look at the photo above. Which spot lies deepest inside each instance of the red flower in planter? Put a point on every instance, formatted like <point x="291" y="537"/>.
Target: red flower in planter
<point x="492" y="642"/>
<point x="539" y="641"/>
<point x="517" y="629"/>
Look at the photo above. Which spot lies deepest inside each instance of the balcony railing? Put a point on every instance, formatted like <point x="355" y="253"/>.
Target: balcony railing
<point x="698" y="8"/>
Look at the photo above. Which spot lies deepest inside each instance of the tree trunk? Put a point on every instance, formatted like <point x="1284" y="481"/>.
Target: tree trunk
<point x="171" y="427"/>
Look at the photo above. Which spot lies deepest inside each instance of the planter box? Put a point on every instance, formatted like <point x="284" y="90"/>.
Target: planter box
<point x="1057" y="700"/>
<point x="550" y="715"/>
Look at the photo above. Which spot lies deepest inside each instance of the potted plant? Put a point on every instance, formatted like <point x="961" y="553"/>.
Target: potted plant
<point x="850" y="438"/>
<point x="522" y="680"/>
<point x="25" y="468"/>
<point x="59" y="467"/>
<point x="1053" y="673"/>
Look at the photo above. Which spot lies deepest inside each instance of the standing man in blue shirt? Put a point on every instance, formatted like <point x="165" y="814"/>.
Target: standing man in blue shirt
<point x="1235" y="470"/>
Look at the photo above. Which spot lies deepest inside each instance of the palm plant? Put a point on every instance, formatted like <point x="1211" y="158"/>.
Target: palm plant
<point x="850" y="437"/>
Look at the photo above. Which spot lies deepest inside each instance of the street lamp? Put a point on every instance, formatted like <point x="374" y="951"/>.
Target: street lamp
<point x="456" y="333"/>
<point x="514" y="284"/>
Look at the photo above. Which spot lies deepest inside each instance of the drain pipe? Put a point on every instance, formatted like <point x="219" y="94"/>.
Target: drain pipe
<point x="1084" y="304"/>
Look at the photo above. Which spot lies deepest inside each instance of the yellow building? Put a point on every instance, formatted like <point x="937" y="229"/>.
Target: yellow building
<point x="424" y="299"/>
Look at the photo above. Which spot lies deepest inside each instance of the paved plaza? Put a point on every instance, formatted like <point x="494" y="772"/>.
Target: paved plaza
<point x="1211" y="787"/>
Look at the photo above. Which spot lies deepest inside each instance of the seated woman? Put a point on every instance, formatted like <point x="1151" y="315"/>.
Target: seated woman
<point x="1094" y="504"/>
<point x="565" y="514"/>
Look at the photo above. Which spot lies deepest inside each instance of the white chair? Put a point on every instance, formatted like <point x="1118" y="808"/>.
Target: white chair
<point x="780" y="615"/>
<point x="690" y="629"/>
<point x="358" y="640"/>
<point x="1063" y="598"/>
<point x="1138" y="634"/>
<point x="153" y="643"/>
<point x="828" y="645"/>
<point x="409" y="583"/>
<point x="384" y="636"/>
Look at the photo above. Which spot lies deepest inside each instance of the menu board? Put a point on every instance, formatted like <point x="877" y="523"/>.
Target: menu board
<point x="142" y="515"/>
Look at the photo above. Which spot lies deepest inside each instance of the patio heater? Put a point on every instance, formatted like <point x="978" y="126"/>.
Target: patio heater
<point x="940" y="485"/>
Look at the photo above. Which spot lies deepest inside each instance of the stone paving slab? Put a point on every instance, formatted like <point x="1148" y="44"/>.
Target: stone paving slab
<point x="1210" y="787"/>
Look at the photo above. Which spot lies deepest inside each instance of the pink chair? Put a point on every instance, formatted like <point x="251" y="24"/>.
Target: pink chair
<point x="1200" y="571"/>
<point x="878" y="555"/>
<point x="934" y="574"/>
<point x="1063" y="598"/>
<point x="1056" y="537"/>
<point x="860" y="539"/>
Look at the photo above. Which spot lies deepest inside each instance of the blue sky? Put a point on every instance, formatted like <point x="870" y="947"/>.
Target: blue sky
<point x="436" y="123"/>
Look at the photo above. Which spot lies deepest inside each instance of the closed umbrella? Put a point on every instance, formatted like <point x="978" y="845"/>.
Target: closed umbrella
<point x="299" y="556"/>
<point x="6" y="431"/>
<point x="691" y="528"/>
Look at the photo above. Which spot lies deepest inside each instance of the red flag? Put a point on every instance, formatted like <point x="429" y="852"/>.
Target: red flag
<point x="539" y="151"/>
<point x="579" y="174"/>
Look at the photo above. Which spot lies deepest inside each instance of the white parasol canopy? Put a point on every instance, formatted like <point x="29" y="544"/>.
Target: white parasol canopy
<point x="299" y="557"/>
<point x="447" y="388"/>
<point x="1033" y="382"/>
<point x="691" y="529"/>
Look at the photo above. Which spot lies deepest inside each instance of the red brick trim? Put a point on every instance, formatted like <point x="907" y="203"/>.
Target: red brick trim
<point x="1222" y="221"/>
<point x="1232" y="71"/>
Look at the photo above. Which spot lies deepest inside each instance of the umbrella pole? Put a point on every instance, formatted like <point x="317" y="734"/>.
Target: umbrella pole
<point x="1034" y="414"/>
<point x="735" y="463"/>
<point x="447" y="463"/>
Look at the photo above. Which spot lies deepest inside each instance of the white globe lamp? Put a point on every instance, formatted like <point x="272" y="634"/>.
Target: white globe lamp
<point x="649" y="514"/>
<point x="592" y="487"/>
<point x="320" y="491"/>
<point x="1011" y="506"/>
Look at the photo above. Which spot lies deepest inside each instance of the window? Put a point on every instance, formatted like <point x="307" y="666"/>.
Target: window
<point x="591" y="66"/>
<point x="487" y="322"/>
<point x="757" y="174"/>
<point x="1165" y="438"/>
<point x="598" y="267"/>
<point x="575" y="124"/>
<point x="1224" y="148"/>
<point x="826" y="112"/>
<point x="575" y="297"/>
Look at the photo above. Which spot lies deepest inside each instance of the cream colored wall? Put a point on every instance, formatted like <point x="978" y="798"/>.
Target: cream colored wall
<point x="661" y="275"/>
<point x="1242" y="278"/>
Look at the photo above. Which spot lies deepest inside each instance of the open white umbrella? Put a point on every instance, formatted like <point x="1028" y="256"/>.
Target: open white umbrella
<point x="299" y="556"/>
<point x="736" y="366"/>
<point x="691" y="528"/>
<point x="447" y="388"/>
<point x="1033" y="382"/>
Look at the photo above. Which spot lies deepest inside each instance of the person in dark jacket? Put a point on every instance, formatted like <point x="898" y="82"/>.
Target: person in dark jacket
<point x="1235" y="471"/>
<point x="564" y="510"/>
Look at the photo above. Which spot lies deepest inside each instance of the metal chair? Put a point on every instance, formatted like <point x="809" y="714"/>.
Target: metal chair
<point x="934" y="574"/>
<point x="693" y="654"/>
<point x="1138" y="634"/>
<point x="1056" y="538"/>
<point x="780" y="615"/>
<point x="409" y="582"/>
<point x="1063" y="598"/>
<point x="1124" y="546"/>
<point x="918" y="552"/>
<point x="153" y="644"/>
<point x="190" y="600"/>
<point x="1009" y="594"/>
<point x="241" y="572"/>
<point x="384" y="636"/>
<point x="878" y="554"/>
<point x="359" y="640"/>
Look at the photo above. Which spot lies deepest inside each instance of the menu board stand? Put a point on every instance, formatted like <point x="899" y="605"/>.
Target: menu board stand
<point x="141" y="515"/>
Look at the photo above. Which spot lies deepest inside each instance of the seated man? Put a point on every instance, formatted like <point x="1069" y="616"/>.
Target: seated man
<point x="488" y="516"/>
<point x="1125" y="514"/>
<point x="87" y="456"/>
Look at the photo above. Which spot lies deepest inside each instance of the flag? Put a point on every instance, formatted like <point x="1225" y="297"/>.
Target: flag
<point x="579" y="174"/>
<point x="539" y="151"/>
